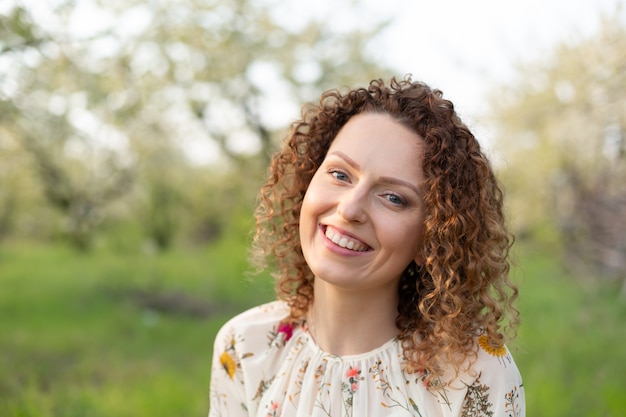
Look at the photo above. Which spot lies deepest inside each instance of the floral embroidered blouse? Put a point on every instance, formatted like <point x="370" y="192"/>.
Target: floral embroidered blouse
<point x="264" y="367"/>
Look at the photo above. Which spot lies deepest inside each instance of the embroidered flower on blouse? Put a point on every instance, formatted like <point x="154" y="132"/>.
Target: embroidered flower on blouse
<point x="286" y="329"/>
<point x="353" y="378"/>
<point x="228" y="363"/>
<point x="513" y="407"/>
<point x="483" y="342"/>
<point x="272" y="409"/>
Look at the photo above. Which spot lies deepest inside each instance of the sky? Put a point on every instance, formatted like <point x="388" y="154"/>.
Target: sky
<point x="466" y="47"/>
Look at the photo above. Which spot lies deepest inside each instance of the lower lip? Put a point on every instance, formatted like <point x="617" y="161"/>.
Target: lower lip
<point x="336" y="248"/>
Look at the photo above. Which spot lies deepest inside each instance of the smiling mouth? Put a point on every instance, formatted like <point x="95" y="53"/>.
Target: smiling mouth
<point x="344" y="241"/>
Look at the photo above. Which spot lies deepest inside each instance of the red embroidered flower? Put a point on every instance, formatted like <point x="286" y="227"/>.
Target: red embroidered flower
<point x="286" y="329"/>
<point x="353" y="373"/>
<point x="353" y="380"/>
<point x="272" y="409"/>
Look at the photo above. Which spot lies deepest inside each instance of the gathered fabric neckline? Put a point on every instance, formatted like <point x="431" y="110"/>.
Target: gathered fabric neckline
<point x="346" y="358"/>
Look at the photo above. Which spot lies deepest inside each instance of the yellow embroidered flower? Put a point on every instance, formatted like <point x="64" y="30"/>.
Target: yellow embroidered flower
<point x="498" y="351"/>
<point x="228" y="363"/>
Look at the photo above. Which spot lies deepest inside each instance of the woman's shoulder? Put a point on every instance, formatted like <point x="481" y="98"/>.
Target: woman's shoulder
<point x="255" y="323"/>
<point x="262" y="314"/>
<point x="496" y="361"/>
<point x="493" y="367"/>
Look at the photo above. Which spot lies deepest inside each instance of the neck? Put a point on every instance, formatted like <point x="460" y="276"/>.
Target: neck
<point x="347" y="323"/>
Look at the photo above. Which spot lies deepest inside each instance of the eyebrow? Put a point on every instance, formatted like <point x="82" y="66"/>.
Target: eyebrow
<point x="388" y="180"/>
<point x="345" y="157"/>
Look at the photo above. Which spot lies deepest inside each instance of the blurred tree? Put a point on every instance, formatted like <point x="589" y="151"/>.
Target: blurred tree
<point x="14" y="35"/>
<point x="9" y="189"/>
<point x="563" y="125"/>
<point x="45" y="110"/>
<point x="107" y="94"/>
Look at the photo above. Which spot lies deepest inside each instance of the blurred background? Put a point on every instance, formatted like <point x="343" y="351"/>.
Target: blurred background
<point x="134" y="136"/>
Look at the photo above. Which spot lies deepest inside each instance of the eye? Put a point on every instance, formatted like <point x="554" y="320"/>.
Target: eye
<point x="339" y="175"/>
<point x="395" y="199"/>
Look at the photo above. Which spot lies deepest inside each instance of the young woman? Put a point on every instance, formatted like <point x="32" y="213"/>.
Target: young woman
<point x="384" y="224"/>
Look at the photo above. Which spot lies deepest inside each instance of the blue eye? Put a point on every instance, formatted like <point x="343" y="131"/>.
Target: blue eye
<point x="339" y="175"/>
<point x="395" y="199"/>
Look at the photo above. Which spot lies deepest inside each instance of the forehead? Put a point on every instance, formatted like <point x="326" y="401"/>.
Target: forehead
<point x="378" y="130"/>
<point x="379" y="142"/>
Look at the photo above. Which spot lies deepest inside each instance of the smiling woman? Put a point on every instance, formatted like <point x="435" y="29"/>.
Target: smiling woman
<point x="383" y="220"/>
<point x="365" y="194"/>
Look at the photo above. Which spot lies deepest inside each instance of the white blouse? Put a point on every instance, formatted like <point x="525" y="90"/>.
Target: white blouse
<point x="263" y="367"/>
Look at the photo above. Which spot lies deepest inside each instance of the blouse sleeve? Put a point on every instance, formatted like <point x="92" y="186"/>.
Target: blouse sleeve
<point x="227" y="397"/>
<point x="497" y="389"/>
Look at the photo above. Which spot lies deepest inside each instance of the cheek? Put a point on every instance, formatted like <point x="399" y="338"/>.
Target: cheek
<point x="309" y="209"/>
<point x="306" y="208"/>
<point x="314" y="199"/>
<point x="407" y="238"/>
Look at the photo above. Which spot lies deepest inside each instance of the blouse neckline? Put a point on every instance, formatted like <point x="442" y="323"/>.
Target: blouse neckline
<point x="388" y="345"/>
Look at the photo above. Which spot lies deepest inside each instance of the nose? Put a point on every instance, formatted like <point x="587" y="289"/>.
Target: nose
<point x="352" y="206"/>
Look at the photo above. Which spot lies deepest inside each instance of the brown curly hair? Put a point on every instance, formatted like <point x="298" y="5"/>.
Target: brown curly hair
<point x="463" y="287"/>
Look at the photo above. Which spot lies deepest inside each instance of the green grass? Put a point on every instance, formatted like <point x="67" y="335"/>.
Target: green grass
<point x="570" y="348"/>
<point x="100" y="334"/>
<point x="130" y="334"/>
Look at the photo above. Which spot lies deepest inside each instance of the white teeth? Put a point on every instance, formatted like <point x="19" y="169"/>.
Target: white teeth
<point x="343" y="241"/>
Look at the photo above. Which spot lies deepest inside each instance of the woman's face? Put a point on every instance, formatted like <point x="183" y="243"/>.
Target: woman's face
<point x="361" y="221"/>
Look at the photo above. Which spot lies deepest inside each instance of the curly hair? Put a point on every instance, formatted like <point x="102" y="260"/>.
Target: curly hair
<point x="463" y="287"/>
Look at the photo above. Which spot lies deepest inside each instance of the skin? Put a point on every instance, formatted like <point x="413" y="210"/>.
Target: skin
<point x="361" y="224"/>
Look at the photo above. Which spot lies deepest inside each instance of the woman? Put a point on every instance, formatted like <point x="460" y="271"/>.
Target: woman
<point x="384" y="223"/>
